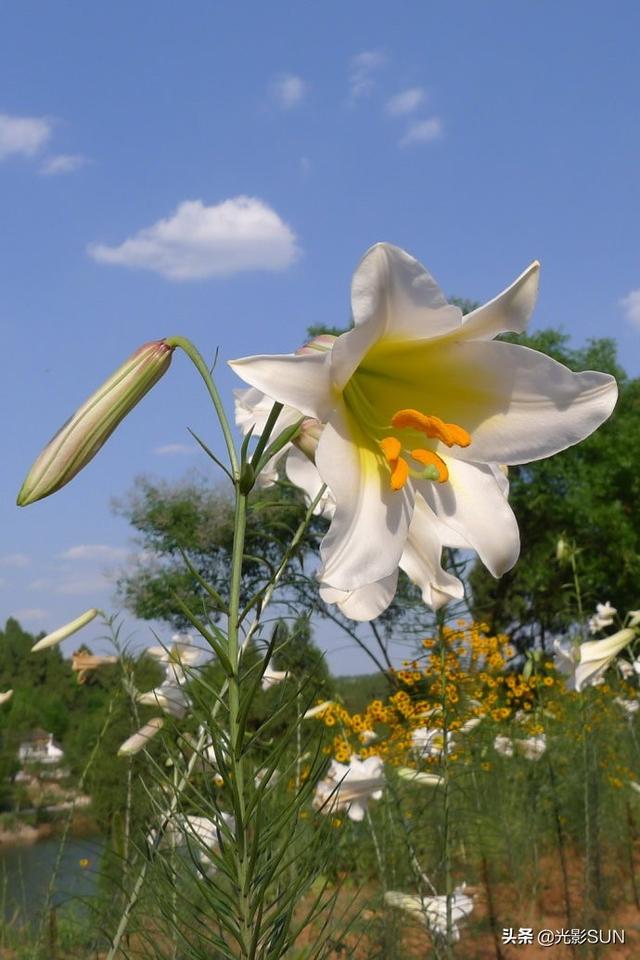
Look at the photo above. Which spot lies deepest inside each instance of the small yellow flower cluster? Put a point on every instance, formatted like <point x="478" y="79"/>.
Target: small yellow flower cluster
<point x="459" y="677"/>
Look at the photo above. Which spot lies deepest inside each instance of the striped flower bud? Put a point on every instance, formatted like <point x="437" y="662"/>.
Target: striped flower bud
<point x="78" y="441"/>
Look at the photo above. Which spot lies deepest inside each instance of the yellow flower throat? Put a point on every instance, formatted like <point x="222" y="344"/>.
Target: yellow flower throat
<point x="434" y="467"/>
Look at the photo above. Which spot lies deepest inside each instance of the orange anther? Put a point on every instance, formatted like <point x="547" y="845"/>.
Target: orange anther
<point x="391" y="447"/>
<point x="449" y="433"/>
<point x="431" y="459"/>
<point x="399" y="473"/>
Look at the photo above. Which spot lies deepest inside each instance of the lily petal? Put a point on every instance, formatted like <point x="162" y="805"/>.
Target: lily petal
<point x="366" y="602"/>
<point x="392" y="297"/>
<point x="369" y="528"/>
<point x="299" y="380"/>
<point x="518" y="404"/>
<point x="422" y="556"/>
<point x="509" y="312"/>
<point x="473" y="504"/>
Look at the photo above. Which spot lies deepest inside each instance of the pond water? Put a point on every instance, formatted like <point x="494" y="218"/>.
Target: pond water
<point x="26" y="871"/>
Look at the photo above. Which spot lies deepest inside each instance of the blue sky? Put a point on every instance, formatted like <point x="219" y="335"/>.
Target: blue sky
<point x="217" y="170"/>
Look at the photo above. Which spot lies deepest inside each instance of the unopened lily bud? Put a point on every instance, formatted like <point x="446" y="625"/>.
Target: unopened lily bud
<point x="78" y="441"/>
<point x="416" y="776"/>
<point x="62" y="633"/>
<point x="308" y="437"/>
<point x="141" y="738"/>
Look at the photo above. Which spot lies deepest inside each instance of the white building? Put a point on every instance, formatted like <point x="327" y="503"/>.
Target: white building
<point x="40" y="747"/>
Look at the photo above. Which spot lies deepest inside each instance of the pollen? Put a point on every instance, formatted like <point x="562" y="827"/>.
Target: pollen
<point x="433" y="427"/>
<point x="399" y="473"/>
<point x="431" y="459"/>
<point x="391" y="448"/>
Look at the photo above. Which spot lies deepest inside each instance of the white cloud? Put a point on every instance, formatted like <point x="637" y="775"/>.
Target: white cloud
<point x="62" y="163"/>
<point x="174" y="449"/>
<point x="631" y="306"/>
<point x="29" y="614"/>
<point x="197" y="241"/>
<point x="94" y="551"/>
<point x="406" y="101"/>
<point x="80" y="586"/>
<point x="361" y="72"/>
<point x="423" y="131"/>
<point x="15" y="560"/>
<point x="23" y="136"/>
<point x="288" y="90"/>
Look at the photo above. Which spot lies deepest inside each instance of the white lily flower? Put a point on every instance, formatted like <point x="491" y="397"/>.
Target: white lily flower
<point x="596" y="655"/>
<point x="630" y="707"/>
<point x="423" y="550"/>
<point x="433" y="910"/>
<point x="429" y="741"/>
<point x="201" y="834"/>
<point x="602" y="618"/>
<point x="634" y="618"/>
<point x="141" y="738"/>
<point x="170" y="697"/>
<point x="350" y="787"/>
<point x="270" y="677"/>
<point x="503" y="746"/>
<point x="6" y="696"/>
<point x="180" y="659"/>
<point x="626" y="669"/>
<point x="531" y="748"/>
<point x="634" y="785"/>
<point x="417" y="399"/>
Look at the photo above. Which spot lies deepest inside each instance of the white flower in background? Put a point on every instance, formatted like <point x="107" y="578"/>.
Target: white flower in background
<point x="264" y="772"/>
<point x="201" y="834"/>
<point x="179" y="662"/>
<point x="634" y="786"/>
<point x="630" y="707"/>
<point x="170" y="697"/>
<point x="596" y="655"/>
<point x="633" y="618"/>
<point x="180" y="659"/>
<point x="433" y="910"/>
<point x="350" y="787"/>
<point x="626" y="669"/>
<point x="252" y="410"/>
<point x="417" y="399"/>
<point x="503" y="746"/>
<point x="367" y="736"/>
<point x="319" y="710"/>
<point x="271" y="677"/>
<point x="141" y="739"/>
<point x="602" y="618"/>
<point x="6" y="696"/>
<point x="531" y="748"/>
<point x="429" y="741"/>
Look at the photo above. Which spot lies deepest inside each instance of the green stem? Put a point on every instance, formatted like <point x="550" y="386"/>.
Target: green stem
<point x="198" y="361"/>
<point x="276" y="410"/>
<point x="446" y="788"/>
